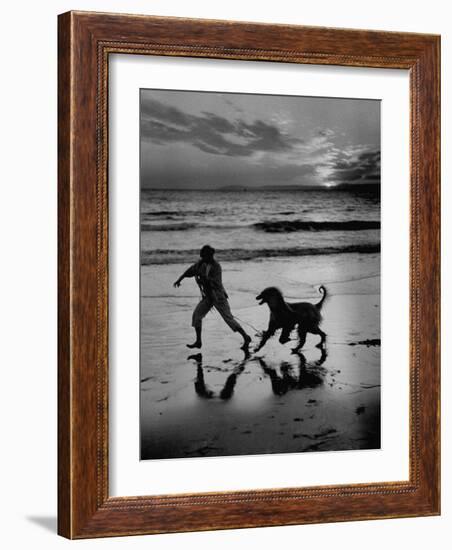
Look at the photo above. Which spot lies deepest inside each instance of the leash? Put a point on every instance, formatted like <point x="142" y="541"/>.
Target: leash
<point x="259" y="332"/>
<point x="203" y="290"/>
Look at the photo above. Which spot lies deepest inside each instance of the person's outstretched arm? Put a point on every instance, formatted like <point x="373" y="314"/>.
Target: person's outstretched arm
<point x="190" y="272"/>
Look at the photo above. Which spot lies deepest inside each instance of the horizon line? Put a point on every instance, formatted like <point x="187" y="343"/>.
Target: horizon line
<point x="264" y="187"/>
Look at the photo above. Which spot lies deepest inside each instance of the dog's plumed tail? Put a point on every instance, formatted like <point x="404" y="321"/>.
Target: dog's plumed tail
<point x="322" y="289"/>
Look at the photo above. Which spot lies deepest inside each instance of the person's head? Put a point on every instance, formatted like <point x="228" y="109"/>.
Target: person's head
<point x="207" y="253"/>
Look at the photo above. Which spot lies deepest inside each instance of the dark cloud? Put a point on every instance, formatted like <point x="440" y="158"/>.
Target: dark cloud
<point x="325" y="132"/>
<point x="362" y="167"/>
<point x="218" y="123"/>
<point x="152" y="109"/>
<point x="211" y="133"/>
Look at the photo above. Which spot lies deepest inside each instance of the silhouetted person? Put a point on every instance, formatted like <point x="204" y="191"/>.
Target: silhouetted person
<point x="207" y="273"/>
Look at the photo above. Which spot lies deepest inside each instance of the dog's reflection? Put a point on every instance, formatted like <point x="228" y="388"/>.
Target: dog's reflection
<point x="204" y="391"/>
<point x="310" y="375"/>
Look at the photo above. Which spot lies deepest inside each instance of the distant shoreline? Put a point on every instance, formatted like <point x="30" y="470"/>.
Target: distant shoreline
<point x="369" y="187"/>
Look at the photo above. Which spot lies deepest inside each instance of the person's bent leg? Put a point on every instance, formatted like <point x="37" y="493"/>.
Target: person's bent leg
<point x="199" y="313"/>
<point x="224" y="310"/>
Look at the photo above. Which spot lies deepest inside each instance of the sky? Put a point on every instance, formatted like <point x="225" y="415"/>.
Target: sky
<point x="209" y="140"/>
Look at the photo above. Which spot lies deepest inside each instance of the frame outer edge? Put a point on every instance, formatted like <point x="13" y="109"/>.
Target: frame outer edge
<point x="82" y="512"/>
<point x="426" y="235"/>
<point x="431" y="267"/>
<point x="438" y="160"/>
<point x="426" y="232"/>
<point x="64" y="278"/>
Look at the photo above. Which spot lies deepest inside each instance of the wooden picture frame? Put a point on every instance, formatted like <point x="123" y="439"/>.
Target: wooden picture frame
<point x="85" y="42"/>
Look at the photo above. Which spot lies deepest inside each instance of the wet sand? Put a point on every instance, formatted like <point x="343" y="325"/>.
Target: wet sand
<point x="220" y="401"/>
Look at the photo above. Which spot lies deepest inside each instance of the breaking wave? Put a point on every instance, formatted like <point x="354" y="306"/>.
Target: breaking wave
<point x="277" y="226"/>
<point x="288" y="226"/>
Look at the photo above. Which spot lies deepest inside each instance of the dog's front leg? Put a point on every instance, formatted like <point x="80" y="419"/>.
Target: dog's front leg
<point x="285" y="334"/>
<point x="266" y="336"/>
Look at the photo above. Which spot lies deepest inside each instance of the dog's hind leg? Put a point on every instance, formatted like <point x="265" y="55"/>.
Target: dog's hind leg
<point x="301" y="338"/>
<point x="322" y="335"/>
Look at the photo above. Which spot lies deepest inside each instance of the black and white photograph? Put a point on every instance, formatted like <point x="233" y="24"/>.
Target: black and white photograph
<point x="260" y="274"/>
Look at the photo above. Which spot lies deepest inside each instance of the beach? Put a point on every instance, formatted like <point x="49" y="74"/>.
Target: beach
<point x="220" y="401"/>
<point x="286" y="189"/>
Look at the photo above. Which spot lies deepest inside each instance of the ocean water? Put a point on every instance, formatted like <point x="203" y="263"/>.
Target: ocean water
<point x="257" y="224"/>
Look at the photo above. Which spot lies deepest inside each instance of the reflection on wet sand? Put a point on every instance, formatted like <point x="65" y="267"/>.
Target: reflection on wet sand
<point x="301" y="402"/>
<point x="204" y="391"/>
<point x="310" y="375"/>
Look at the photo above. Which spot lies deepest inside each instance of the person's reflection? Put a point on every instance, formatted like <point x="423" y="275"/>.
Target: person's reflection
<point x="309" y="375"/>
<point x="201" y="387"/>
